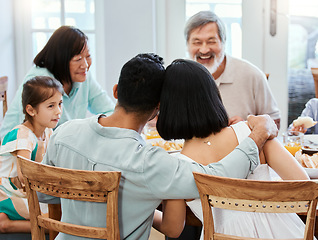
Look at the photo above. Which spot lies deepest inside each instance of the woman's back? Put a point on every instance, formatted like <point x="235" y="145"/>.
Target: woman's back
<point x="213" y="148"/>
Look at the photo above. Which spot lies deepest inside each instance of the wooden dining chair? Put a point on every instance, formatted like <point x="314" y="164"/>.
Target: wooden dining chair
<point x="92" y="186"/>
<point x="255" y="196"/>
<point x="3" y="93"/>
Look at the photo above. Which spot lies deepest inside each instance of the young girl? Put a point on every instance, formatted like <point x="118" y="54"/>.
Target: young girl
<point x="191" y="109"/>
<point x="42" y="102"/>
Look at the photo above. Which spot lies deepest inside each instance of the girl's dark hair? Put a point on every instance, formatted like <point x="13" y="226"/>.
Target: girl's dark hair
<point x="190" y="103"/>
<point x="63" y="45"/>
<point x="37" y="90"/>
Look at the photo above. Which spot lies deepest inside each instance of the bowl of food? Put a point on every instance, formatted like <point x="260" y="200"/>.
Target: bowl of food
<point x="309" y="163"/>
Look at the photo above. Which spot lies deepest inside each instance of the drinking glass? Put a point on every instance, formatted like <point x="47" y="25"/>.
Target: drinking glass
<point x="293" y="141"/>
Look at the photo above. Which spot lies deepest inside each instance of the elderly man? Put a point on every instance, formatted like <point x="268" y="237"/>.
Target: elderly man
<point x="243" y="87"/>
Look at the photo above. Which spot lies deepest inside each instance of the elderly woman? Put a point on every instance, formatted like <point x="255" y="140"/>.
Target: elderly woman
<point x="66" y="58"/>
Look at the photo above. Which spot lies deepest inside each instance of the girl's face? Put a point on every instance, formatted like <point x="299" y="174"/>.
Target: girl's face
<point x="79" y="65"/>
<point x="48" y="113"/>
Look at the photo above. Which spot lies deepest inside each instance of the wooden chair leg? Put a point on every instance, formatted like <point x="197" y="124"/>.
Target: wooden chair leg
<point x="55" y="212"/>
<point x="303" y="217"/>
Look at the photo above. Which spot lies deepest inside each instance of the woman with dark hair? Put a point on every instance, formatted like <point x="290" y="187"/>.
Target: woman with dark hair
<point x="191" y="109"/>
<point x="66" y="58"/>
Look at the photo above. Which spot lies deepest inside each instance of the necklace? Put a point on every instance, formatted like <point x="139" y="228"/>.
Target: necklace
<point x="208" y="142"/>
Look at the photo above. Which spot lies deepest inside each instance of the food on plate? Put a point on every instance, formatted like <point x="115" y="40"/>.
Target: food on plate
<point x="306" y="160"/>
<point x="152" y="134"/>
<point x="168" y="146"/>
<point x="308" y="122"/>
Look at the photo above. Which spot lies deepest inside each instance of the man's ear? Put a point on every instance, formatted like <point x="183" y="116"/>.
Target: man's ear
<point x="30" y="110"/>
<point x="115" y="88"/>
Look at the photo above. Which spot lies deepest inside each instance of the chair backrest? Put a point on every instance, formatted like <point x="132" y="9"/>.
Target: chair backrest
<point x="3" y="93"/>
<point x="255" y="196"/>
<point x="314" y="72"/>
<point x="93" y="186"/>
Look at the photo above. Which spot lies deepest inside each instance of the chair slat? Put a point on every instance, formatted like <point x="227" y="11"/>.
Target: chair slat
<point x="220" y="236"/>
<point x="244" y="189"/>
<point x="81" y="195"/>
<point x="61" y="177"/>
<point x="72" y="229"/>
<point x="259" y="206"/>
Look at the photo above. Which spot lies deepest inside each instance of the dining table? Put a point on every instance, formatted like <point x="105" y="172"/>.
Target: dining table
<point x="309" y="147"/>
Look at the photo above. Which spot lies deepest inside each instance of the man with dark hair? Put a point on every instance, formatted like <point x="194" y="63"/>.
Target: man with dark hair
<point x="149" y="174"/>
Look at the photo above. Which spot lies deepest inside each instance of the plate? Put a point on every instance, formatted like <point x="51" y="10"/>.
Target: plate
<point x="312" y="172"/>
<point x="311" y="140"/>
<point x="310" y="144"/>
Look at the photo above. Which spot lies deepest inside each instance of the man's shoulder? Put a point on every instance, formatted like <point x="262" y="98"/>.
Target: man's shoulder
<point x="243" y="66"/>
<point x="72" y="126"/>
<point x="313" y="102"/>
<point x="241" y="62"/>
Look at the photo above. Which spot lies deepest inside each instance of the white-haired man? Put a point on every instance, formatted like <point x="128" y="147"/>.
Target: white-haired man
<point x="243" y="87"/>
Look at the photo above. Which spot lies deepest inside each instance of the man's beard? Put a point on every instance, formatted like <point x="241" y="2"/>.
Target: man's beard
<point x="216" y="63"/>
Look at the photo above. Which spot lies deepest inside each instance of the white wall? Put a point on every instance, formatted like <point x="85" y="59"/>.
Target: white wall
<point x="7" y="52"/>
<point x="269" y="53"/>
<point x="170" y="41"/>
<point x="129" y="30"/>
<point x="276" y="58"/>
<point x="140" y="26"/>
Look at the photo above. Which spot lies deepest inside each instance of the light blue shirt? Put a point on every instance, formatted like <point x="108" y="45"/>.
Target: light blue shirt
<point x="310" y="110"/>
<point x="84" y="96"/>
<point x="149" y="174"/>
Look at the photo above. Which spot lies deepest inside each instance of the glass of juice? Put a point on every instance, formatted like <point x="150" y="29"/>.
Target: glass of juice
<point x="150" y="130"/>
<point x="293" y="141"/>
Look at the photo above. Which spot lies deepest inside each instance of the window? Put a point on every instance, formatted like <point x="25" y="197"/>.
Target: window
<point x="230" y="11"/>
<point x="302" y="54"/>
<point x="48" y="15"/>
